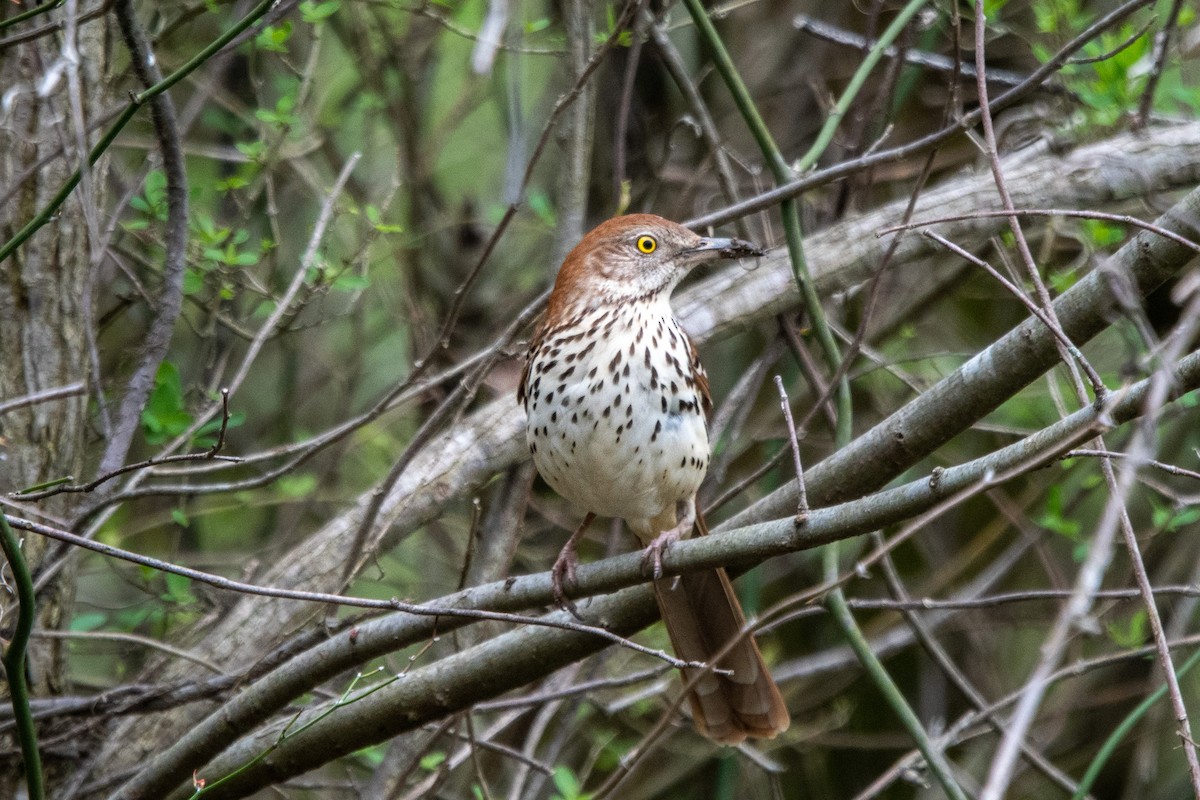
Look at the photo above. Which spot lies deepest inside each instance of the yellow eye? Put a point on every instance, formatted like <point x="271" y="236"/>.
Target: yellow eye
<point x="647" y="244"/>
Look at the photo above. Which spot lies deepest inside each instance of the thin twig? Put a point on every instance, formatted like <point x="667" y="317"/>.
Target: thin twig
<point x="802" y="495"/>
<point x="1162" y="44"/>
<point x="934" y="61"/>
<point x="45" y="395"/>
<point x="132" y="638"/>
<point x="1169" y="468"/>
<point x="59" y="487"/>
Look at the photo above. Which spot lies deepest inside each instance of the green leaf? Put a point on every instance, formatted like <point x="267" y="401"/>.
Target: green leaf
<point x="312" y="12"/>
<point x="165" y="416"/>
<point x="301" y="485"/>
<point x="541" y="206"/>
<point x="207" y="435"/>
<point x="1172" y="519"/>
<point x="274" y="38"/>
<point x="193" y="282"/>
<point x="88" y="621"/>
<point x="153" y="202"/>
<point x="432" y="761"/>
<point x="349" y="282"/>
<point x="1104" y="234"/>
<point x="1132" y="634"/>
<point x="568" y="785"/>
<point x="180" y="517"/>
<point x="179" y="589"/>
<point x="373" y="755"/>
<point x="1053" y="518"/>
<point x="231" y="183"/>
<point x="252" y="150"/>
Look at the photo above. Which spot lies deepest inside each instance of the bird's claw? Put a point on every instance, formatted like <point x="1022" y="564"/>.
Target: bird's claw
<point x="562" y="574"/>
<point x="653" y="554"/>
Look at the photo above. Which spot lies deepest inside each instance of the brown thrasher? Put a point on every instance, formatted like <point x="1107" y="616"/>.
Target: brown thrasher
<point x="617" y="405"/>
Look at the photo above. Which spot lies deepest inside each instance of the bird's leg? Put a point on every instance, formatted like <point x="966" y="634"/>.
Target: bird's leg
<point x="686" y="514"/>
<point x="563" y="571"/>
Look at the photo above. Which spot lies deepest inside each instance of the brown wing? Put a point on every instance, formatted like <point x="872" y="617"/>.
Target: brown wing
<point x="701" y="378"/>
<point x="534" y="341"/>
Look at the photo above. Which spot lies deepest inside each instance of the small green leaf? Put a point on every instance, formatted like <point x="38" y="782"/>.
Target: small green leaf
<point x="301" y="485"/>
<point x="348" y="282"/>
<point x="568" y="785"/>
<point x="432" y="761"/>
<point x="231" y="183"/>
<point x="1053" y="518"/>
<point x="251" y="150"/>
<point x="165" y="416"/>
<point x="312" y="12"/>
<point x="207" y="435"/>
<point x="274" y="38"/>
<point x="541" y="206"/>
<point x="1104" y="234"/>
<point x="88" y="621"/>
<point x="179" y="589"/>
<point x="180" y="517"/>
<point x="1132" y="634"/>
<point x="193" y="282"/>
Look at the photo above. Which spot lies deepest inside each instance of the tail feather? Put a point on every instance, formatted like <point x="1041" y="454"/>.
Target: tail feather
<point x="703" y="616"/>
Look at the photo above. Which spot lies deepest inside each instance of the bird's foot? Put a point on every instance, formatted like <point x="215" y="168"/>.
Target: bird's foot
<point x="653" y="553"/>
<point x="562" y="575"/>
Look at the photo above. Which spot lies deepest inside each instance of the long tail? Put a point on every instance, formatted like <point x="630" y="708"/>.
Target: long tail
<point x="703" y="616"/>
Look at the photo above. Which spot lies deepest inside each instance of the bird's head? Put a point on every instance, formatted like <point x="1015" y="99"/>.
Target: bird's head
<point x="637" y="257"/>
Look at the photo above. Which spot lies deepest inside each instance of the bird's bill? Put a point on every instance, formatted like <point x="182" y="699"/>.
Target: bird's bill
<point x="727" y="248"/>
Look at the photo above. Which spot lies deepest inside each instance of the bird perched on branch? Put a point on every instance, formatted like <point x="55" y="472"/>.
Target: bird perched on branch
<point x="617" y="404"/>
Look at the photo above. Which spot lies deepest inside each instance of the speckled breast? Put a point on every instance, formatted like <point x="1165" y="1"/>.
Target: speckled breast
<point x="615" y="418"/>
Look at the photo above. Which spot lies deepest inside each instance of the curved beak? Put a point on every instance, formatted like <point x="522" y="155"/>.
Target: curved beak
<point x="726" y="248"/>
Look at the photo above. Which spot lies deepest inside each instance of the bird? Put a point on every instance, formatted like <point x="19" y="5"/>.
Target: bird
<point x="617" y="406"/>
